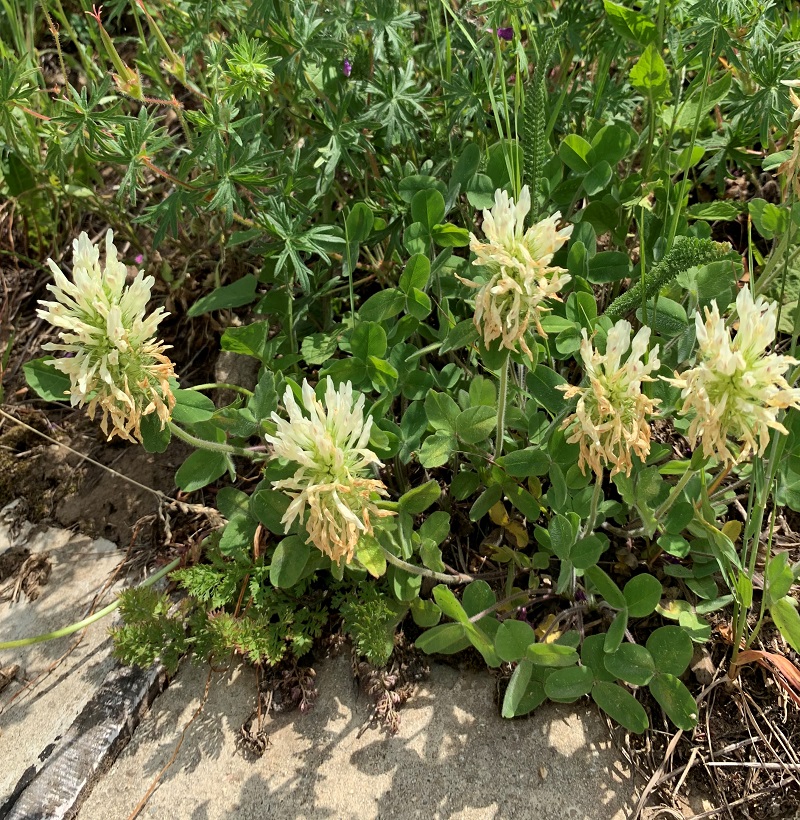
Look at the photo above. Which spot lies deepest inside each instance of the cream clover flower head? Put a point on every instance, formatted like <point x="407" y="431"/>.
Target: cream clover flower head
<point x="736" y="389"/>
<point x="329" y="443"/>
<point x="610" y="420"/>
<point x="113" y="359"/>
<point x="518" y="263"/>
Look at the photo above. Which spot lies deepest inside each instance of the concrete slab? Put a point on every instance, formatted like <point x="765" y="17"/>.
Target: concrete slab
<point x="453" y="757"/>
<point x="55" y="679"/>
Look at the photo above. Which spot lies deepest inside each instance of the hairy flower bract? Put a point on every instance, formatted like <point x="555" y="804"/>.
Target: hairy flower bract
<point x="610" y="422"/>
<point x="736" y="389"/>
<point x="329" y="443"/>
<point x="112" y="358"/>
<point x="518" y="264"/>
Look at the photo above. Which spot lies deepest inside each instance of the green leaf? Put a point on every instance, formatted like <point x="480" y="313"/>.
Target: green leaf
<point x="642" y="594"/>
<point x="415" y="274"/>
<point x="778" y="576"/>
<point x="155" y="437"/>
<point x="586" y="552"/>
<point x="542" y="382"/>
<point x="425" y="613"/>
<point x="609" y="266"/>
<point x="671" y="649"/>
<point x="593" y="656"/>
<point x="449" y="604"/>
<point x="445" y="639"/>
<point x="427" y="208"/>
<point x="532" y="461"/>
<point x="359" y="223"/>
<point x="769" y="219"/>
<point x="237" y="538"/>
<point x="513" y="639"/>
<point x="631" y="663"/>
<point x="573" y="152"/>
<point x="475" y="424"/>
<point x="405" y="585"/>
<point x="415" y="183"/>
<point x="610" y="143"/>
<point x="676" y="700"/>
<point x="597" y="178"/>
<point x="630" y="24"/>
<point x="50" y="384"/>
<point x="675" y="545"/>
<point x="431" y="555"/>
<point x="265" y="398"/>
<point x="485" y="501"/>
<point x="368" y="339"/>
<point x="616" y="632"/>
<point x="418" y="304"/>
<point x="289" y="561"/>
<point x="524" y="693"/>
<point x="606" y="587"/>
<point x="418" y="499"/>
<point x="480" y="191"/>
<point x="787" y="620"/>
<point x="437" y="449"/>
<point x="649" y="74"/>
<point x="192" y="407"/>
<point x="436" y="527"/>
<point x="523" y="501"/>
<point x="724" y="211"/>
<point x="463" y="334"/>
<point x="269" y="506"/>
<point x="380" y="306"/>
<point x="567" y="685"/>
<point x="552" y="654"/>
<point x="241" y="292"/>
<point x="371" y="556"/>
<point x="477" y="596"/>
<point x="250" y="340"/>
<point x="442" y="411"/>
<point x="450" y="236"/>
<point x="201" y="468"/>
<point x="562" y="536"/>
<point x="557" y="494"/>
<point x="668" y="318"/>
<point x="16" y="174"/>
<point x="621" y="706"/>
<point x="232" y="502"/>
<point x="468" y="163"/>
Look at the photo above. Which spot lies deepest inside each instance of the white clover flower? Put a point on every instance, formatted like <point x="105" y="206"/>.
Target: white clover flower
<point x="113" y="360"/>
<point x="521" y="276"/>
<point x="330" y="444"/>
<point x="610" y="420"/>
<point x="736" y="389"/>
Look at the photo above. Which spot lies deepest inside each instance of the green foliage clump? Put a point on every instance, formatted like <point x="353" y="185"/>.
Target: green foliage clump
<point x="153" y="627"/>
<point x="370" y="618"/>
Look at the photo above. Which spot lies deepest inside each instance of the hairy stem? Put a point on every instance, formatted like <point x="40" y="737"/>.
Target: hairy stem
<point x="213" y="446"/>
<point x="425" y="573"/>
<point x="76" y="627"/>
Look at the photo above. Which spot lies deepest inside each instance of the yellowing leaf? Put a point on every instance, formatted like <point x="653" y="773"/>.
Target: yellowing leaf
<point x="733" y="529"/>
<point x="518" y="533"/>
<point x="540" y="630"/>
<point x="498" y="514"/>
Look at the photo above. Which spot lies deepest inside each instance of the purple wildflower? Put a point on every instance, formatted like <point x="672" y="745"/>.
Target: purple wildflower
<point x="347" y="67"/>
<point x="505" y="33"/>
<point x="139" y="258"/>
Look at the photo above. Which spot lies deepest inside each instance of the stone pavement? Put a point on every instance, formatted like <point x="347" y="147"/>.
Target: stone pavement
<point x="64" y="718"/>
